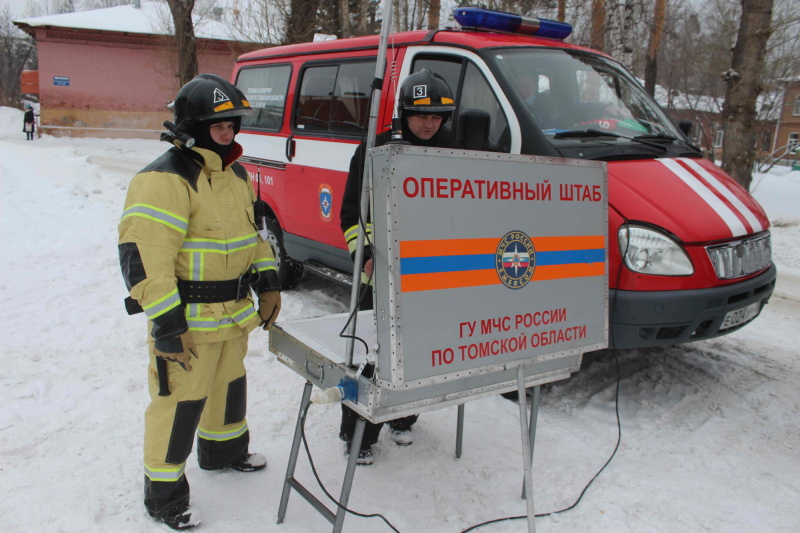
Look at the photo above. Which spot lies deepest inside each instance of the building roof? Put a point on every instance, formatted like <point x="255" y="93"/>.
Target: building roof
<point x="766" y="108"/>
<point x="152" y="18"/>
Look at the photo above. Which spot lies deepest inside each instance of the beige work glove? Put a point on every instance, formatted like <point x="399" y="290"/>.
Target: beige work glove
<point x="183" y="358"/>
<point x="269" y="305"/>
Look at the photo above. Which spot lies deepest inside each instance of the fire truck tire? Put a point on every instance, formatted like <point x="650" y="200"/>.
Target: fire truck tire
<point x="289" y="270"/>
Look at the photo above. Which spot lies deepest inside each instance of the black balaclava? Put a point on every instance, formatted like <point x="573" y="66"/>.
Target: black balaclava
<point x="202" y="136"/>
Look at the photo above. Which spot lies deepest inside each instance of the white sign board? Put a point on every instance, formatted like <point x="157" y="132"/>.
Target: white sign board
<point x="485" y="261"/>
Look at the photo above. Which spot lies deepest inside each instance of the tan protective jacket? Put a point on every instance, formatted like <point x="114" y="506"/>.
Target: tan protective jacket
<point x="187" y="218"/>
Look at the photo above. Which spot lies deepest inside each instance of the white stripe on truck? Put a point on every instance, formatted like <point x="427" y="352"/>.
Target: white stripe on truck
<point x="751" y="218"/>
<point x="713" y="201"/>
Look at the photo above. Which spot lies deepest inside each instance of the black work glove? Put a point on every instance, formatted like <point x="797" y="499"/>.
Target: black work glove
<point x="184" y="356"/>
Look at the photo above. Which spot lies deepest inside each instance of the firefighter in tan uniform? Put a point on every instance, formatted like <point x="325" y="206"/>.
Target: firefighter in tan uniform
<point x="191" y="251"/>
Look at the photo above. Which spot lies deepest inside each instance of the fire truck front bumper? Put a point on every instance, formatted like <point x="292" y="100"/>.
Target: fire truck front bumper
<point x="642" y="319"/>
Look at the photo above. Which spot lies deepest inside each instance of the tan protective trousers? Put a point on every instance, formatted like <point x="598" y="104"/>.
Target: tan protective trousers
<point x="209" y="401"/>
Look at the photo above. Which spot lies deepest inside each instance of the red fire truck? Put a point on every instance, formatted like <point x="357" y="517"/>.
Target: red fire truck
<point x="689" y="251"/>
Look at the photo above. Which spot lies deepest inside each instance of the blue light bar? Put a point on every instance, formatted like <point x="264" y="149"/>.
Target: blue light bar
<point x="486" y="19"/>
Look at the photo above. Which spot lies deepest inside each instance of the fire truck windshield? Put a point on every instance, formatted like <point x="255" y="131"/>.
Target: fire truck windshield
<point x="569" y="91"/>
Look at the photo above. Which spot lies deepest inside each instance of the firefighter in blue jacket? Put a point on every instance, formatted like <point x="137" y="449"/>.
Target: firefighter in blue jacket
<point x="191" y="252"/>
<point x="424" y="105"/>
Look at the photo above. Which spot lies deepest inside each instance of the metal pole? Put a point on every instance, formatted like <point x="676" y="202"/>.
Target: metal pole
<point x="349" y="472"/>
<point x="526" y="449"/>
<point x="293" y="455"/>
<point x="532" y="427"/>
<point x="380" y="67"/>
<point x="459" y="431"/>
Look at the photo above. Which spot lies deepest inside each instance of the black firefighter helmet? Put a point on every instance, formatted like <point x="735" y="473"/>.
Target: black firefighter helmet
<point x="206" y="98"/>
<point x="425" y="92"/>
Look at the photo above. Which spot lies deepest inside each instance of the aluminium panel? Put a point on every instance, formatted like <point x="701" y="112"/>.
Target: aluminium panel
<point x="470" y="285"/>
<point x="485" y="261"/>
<point x="313" y="349"/>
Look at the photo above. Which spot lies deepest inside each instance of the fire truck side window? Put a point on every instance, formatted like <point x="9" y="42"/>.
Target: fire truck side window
<point x="350" y="108"/>
<point x="476" y="103"/>
<point x="334" y="98"/>
<point x="265" y="89"/>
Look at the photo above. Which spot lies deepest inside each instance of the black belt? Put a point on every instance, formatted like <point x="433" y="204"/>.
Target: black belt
<point x="207" y="292"/>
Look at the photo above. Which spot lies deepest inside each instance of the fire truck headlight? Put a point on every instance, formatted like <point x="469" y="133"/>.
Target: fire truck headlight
<point x="650" y="252"/>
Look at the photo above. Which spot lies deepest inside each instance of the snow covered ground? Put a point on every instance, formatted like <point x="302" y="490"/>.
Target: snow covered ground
<point x="710" y="431"/>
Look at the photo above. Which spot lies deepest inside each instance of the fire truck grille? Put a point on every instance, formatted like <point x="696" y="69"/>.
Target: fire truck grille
<point x="741" y="258"/>
<point x="670" y="332"/>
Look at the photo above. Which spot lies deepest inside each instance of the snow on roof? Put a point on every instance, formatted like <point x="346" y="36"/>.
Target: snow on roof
<point x="765" y="104"/>
<point x="153" y="18"/>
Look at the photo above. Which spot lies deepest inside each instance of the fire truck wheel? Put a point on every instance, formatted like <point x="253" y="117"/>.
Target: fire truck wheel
<point x="289" y="270"/>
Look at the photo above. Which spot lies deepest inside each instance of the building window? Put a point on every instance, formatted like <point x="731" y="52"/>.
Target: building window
<point x="793" y="140"/>
<point x="796" y="110"/>
<point x="766" y="141"/>
<point x="718" y="135"/>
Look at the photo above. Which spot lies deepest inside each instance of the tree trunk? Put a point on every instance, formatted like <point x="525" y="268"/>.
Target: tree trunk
<point x="302" y="22"/>
<point x="562" y="11"/>
<point x="434" y="7"/>
<point x="742" y="90"/>
<point x="598" y="24"/>
<point x="184" y="38"/>
<point x="344" y="15"/>
<point x="651" y="62"/>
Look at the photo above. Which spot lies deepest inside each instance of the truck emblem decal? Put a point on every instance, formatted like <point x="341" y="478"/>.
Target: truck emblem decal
<point x="220" y="96"/>
<point x="515" y="259"/>
<point x="325" y="202"/>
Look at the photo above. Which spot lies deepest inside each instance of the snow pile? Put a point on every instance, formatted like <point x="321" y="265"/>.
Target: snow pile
<point x="710" y="439"/>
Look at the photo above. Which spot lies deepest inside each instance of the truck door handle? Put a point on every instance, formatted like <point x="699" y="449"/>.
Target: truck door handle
<point x="290" y="146"/>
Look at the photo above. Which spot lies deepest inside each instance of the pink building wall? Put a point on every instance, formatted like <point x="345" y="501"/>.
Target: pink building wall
<point x="119" y="84"/>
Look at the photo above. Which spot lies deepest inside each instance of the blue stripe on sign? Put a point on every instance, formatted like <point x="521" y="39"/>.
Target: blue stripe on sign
<point x="448" y="263"/>
<point x="569" y="257"/>
<point x="461" y="263"/>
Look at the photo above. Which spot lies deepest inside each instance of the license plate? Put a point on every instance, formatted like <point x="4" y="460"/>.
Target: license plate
<point x="740" y="316"/>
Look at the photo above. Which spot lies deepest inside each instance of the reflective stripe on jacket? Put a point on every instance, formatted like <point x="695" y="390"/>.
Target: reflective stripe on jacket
<point x="185" y="217"/>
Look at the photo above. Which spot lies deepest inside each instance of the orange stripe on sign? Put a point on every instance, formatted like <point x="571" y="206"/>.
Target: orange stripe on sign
<point x="448" y="247"/>
<point x="553" y="244"/>
<point x="578" y="270"/>
<point x="447" y="280"/>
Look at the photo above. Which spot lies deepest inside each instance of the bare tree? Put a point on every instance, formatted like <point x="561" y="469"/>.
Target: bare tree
<point x="184" y="38"/>
<point x="624" y="27"/>
<point x="598" y="33"/>
<point x="258" y="21"/>
<point x="100" y="4"/>
<point x="302" y="22"/>
<point x="434" y="8"/>
<point x="17" y="52"/>
<point x="40" y="8"/>
<point x="344" y="17"/>
<point x="743" y="82"/>
<point x="656" y="29"/>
